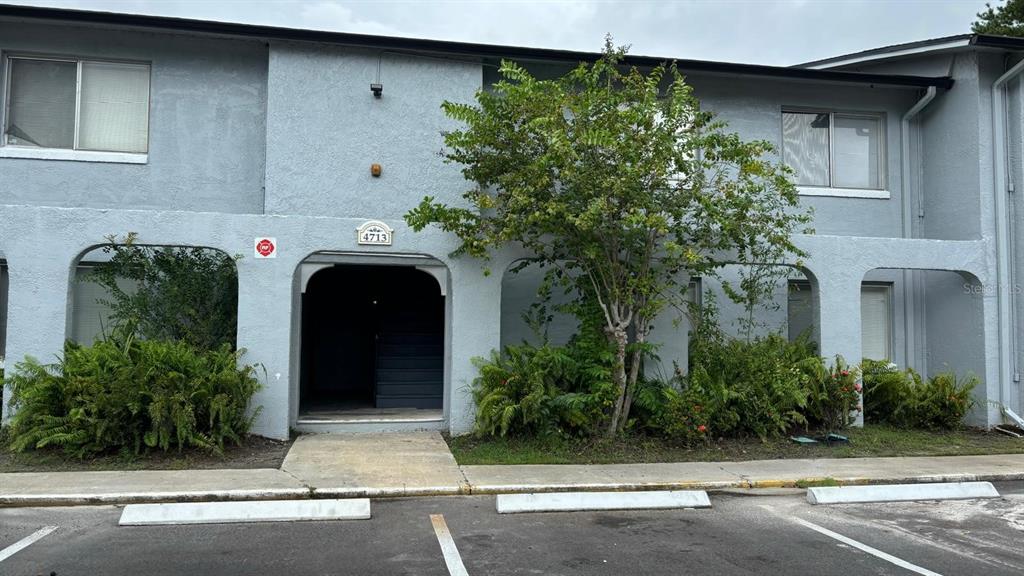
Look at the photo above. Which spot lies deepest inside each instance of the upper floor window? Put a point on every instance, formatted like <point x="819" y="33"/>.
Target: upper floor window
<point x="72" y="104"/>
<point x="835" y="150"/>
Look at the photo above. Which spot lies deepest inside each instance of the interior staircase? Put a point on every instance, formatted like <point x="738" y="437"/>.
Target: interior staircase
<point x="409" y="370"/>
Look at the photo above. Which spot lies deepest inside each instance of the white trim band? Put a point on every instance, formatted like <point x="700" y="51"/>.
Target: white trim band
<point x="843" y="192"/>
<point x="73" y="155"/>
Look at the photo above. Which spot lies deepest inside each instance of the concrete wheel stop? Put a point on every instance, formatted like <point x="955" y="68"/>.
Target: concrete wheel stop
<point x="584" y="501"/>
<point x="241" y="512"/>
<point x="901" y="492"/>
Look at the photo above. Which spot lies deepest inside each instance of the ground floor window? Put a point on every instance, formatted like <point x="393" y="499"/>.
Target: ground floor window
<point x="3" y="310"/>
<point x="876" y="321"/>
<point x="800" y="308"/>
<point x="875" y="316"/>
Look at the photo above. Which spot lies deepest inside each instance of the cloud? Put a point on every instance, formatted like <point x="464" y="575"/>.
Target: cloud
<point x="337" y="17"/>
<point x="778" y="32"/>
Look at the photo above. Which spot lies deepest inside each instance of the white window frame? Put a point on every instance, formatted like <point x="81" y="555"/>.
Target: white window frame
<point x="73" y="154"/>
<point x="890" y="324"/>
<point x="838" y="191"/>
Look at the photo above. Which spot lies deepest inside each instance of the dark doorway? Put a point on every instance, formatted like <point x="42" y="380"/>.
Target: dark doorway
<point x="372" y="337"/>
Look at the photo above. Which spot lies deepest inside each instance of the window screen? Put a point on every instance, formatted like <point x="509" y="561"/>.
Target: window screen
<point x="41" y="109"/>
<point x="835" y="150"/>
<point x="805" y="144"/>
<point x="857" y="149"/>
<point x="78" y="104"/>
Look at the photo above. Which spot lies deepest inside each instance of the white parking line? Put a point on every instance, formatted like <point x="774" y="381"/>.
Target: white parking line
<point x="451" y="553"/>
<point x="865" y="548"/>
<point x="25" y="542"/>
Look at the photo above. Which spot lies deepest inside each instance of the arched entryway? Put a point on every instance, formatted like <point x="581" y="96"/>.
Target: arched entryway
<point x="372" y="340"/>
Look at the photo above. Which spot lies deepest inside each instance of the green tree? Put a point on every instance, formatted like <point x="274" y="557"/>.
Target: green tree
<point x="617" y="180"/>
<point x="1005" y="20"/>
<point x="183" y="293"/>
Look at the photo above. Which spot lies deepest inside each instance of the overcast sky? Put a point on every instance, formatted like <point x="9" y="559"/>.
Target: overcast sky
<point x="780" y="32"/>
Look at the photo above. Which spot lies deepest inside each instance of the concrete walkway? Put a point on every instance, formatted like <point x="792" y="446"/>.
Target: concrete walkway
<point x="750" y="474"/>
<point x="317" y="466"/>
<point x="387" y="464"/>
<point x="420" y="464"/>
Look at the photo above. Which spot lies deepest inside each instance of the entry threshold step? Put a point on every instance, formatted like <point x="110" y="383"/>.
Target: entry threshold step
<point x="409" y="401"/>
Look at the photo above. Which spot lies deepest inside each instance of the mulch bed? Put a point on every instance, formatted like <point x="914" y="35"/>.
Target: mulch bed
<point x="255" y="452"/>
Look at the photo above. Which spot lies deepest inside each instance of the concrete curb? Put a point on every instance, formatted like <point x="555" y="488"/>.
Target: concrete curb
<point x="602" y="487"/>
<point x="143" y="497"/>
<point x="390" y="492"/>
<point x="26" y="500"/>
<point x="743" y="484"/>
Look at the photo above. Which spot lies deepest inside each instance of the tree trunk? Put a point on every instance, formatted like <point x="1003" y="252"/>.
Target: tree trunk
<point x="619" y="338"/>
<point x="634" y="374"/>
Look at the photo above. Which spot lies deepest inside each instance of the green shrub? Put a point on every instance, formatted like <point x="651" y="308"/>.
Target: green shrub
<point x="903" y="399"/>
<point x="749" y="387"/>
<point x="541" y="390"/>
<point x="887" y="392"/>
<point x="685" y="417"/>
<point x="833" y="393"/>
<point x="948" y="399"/>
<point x="125" y="393"/>
<point x="177" y="292"/>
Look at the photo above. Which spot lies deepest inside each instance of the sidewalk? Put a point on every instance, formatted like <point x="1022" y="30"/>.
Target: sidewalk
<point x="749" y="474"/>
<point x="420" y="464"/>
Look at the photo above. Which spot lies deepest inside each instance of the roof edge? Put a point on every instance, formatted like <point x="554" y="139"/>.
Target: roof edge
<point x="918" y="47"/>
<point x="448" y="47"/>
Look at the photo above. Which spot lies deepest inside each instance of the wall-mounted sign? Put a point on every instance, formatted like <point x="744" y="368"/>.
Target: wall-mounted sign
<point x="266" y="247"/>
<point x="374" y="233"/>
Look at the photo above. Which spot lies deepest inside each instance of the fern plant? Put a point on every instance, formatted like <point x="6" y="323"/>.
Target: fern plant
<point x="545" y="389"/>
<point x="122" y="393"/>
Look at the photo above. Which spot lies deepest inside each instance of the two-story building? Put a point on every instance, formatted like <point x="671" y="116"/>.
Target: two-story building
<point x="302" y="150"/>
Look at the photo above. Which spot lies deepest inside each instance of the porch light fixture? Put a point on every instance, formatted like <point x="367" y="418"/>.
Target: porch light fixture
<point x="377" y="89"/>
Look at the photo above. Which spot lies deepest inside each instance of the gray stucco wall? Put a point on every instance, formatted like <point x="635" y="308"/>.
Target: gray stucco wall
<point x="955" y="327"/>
<point x="951" y="192"/>
<point x="518" y="295"/>
<point x="207" y="127"/>
<point x="753" y="108"/>
<point x="325" y="129"/>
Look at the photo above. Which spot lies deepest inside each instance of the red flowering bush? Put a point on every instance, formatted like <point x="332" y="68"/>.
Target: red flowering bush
<point x="833" y="400"/>
<point x="685" y="418"/>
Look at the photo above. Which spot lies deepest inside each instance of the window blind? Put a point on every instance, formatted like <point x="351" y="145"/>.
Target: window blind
<point x="875" y="323"/>
<point x="115" y="107"/>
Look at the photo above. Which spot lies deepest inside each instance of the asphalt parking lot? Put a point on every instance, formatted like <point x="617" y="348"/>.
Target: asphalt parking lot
<point x="779" y="534"/>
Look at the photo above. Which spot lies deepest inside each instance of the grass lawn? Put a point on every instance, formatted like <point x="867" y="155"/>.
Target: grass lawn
<point x="255" y="452"/>
<point x="871" y="440"/>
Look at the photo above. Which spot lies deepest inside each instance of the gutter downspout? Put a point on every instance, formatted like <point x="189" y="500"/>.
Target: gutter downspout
<point x="1004" y="296"/>
<point x="910" y="277"/>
